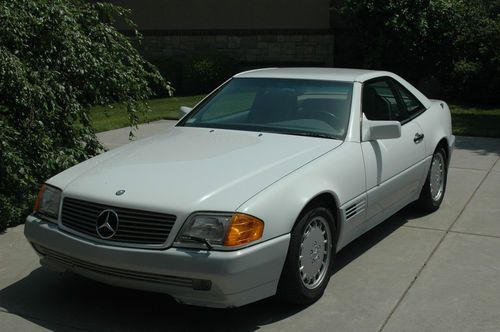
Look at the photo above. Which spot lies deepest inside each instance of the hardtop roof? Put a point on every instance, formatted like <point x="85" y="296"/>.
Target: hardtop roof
<point x="329" y="74"/>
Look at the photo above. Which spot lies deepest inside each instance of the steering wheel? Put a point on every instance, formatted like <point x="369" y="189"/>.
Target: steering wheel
<point x="330" y="118"/>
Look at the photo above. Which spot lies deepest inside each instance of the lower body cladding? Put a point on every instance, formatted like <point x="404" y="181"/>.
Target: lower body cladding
<point x="198" y="277"/>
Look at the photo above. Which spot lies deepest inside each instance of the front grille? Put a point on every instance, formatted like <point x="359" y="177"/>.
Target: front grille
<point x="73" y="263"/>
<point x="135" y="226"/>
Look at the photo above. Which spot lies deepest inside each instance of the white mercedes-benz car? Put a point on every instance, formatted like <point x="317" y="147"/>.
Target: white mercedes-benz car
<point x="253" y="192"/>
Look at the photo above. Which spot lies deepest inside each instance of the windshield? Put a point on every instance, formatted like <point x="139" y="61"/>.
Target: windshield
<point x="286" y="106"/>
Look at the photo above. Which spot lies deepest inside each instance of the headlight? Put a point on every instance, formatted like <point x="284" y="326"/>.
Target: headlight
<point x="48" y="201"/>
<point x="219" y="230"/>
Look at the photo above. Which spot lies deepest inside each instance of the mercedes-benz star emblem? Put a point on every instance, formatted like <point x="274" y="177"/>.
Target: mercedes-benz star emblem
<point x="107" y="224"/>
<point x="120" y="192"/>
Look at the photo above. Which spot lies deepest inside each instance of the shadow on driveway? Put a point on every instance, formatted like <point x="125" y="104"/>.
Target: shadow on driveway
<point x="480" y="145"/>
<point x="59" y="302"/>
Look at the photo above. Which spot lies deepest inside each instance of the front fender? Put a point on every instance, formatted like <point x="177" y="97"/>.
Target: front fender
<point x="339" y="172"/>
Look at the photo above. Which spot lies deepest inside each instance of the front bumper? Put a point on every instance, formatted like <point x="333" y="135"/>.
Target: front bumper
<point x="198" y="277"/>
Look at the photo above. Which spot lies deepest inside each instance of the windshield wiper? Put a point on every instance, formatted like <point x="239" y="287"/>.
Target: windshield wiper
<point x="308" y="134"/>
<point x="197" y="239"/>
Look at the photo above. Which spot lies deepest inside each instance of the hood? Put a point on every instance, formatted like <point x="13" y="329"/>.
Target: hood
<point x="190" y="169"/>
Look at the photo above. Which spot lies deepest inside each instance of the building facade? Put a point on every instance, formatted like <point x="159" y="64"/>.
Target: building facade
<point x="255" y="33"/>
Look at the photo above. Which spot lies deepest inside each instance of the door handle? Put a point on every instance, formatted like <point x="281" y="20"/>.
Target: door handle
<point x="418" y="138"/>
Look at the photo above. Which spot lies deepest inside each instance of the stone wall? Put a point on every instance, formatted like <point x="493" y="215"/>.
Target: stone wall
<point x="313" y="48"/>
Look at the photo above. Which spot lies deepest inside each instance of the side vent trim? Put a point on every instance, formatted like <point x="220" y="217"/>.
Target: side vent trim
<point x="355" y="209"/>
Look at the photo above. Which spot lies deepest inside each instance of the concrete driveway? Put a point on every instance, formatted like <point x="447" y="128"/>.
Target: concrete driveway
<point x="436" y="272"/>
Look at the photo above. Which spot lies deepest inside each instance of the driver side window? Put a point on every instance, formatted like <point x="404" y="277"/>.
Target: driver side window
<point x="379" y="101"/>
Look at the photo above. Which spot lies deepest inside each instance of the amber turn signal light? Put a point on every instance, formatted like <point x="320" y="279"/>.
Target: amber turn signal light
<point x="243" y="229"/>
<point x="39" y="198"/>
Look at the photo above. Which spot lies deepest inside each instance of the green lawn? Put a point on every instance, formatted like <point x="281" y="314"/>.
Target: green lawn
<point x="475" y="121"/>
<point x="467" y="120"/>
<point x="105" y="118"/>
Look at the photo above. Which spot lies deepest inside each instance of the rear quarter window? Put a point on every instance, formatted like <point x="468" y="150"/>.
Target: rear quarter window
<point x="412" y="104"/>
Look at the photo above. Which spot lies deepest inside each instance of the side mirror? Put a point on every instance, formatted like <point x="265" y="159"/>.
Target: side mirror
<point x="374" y="130"/>
<point x="184" y="110"/>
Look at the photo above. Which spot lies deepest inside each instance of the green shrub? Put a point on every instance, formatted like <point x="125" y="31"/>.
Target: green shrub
<point x="456" y="41"/>
<point x="57" y="59"/>
<point x="170" y="67"/>
<point x="195" y="73"/>
<point x="203" y="73"/>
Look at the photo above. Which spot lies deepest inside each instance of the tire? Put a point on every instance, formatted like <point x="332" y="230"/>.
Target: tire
<point x="434" y="188"/>
<point x="305" y="276"/>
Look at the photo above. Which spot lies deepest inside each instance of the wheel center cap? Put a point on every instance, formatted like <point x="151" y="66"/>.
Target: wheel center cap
<point x="315" y="252"/>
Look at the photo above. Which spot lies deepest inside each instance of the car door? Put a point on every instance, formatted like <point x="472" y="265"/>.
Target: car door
<point x="392" y="165"/>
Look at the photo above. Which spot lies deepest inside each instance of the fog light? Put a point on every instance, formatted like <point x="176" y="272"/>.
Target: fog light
<point x="202" y="284"/>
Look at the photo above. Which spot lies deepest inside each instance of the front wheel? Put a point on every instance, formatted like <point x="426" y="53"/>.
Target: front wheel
<point x="309" y="261"/>
<point x="432" y="193"/>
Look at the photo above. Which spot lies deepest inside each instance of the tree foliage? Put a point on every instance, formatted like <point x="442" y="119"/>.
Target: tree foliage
<point x="57" y="59"/>
<point x="457" y="41"/>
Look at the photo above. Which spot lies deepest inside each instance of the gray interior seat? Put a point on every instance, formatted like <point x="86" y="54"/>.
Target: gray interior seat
<point x="375" y="107"/>
<point x="273" y="106"/>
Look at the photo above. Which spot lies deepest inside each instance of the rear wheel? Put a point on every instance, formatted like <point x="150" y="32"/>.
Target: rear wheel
<point x="309" y="262"/>
<point x="432" y="193"/>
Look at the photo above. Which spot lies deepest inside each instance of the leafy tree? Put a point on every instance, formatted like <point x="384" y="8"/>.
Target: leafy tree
<point x="457" y="41"/>
<point x="57" y="59"/>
